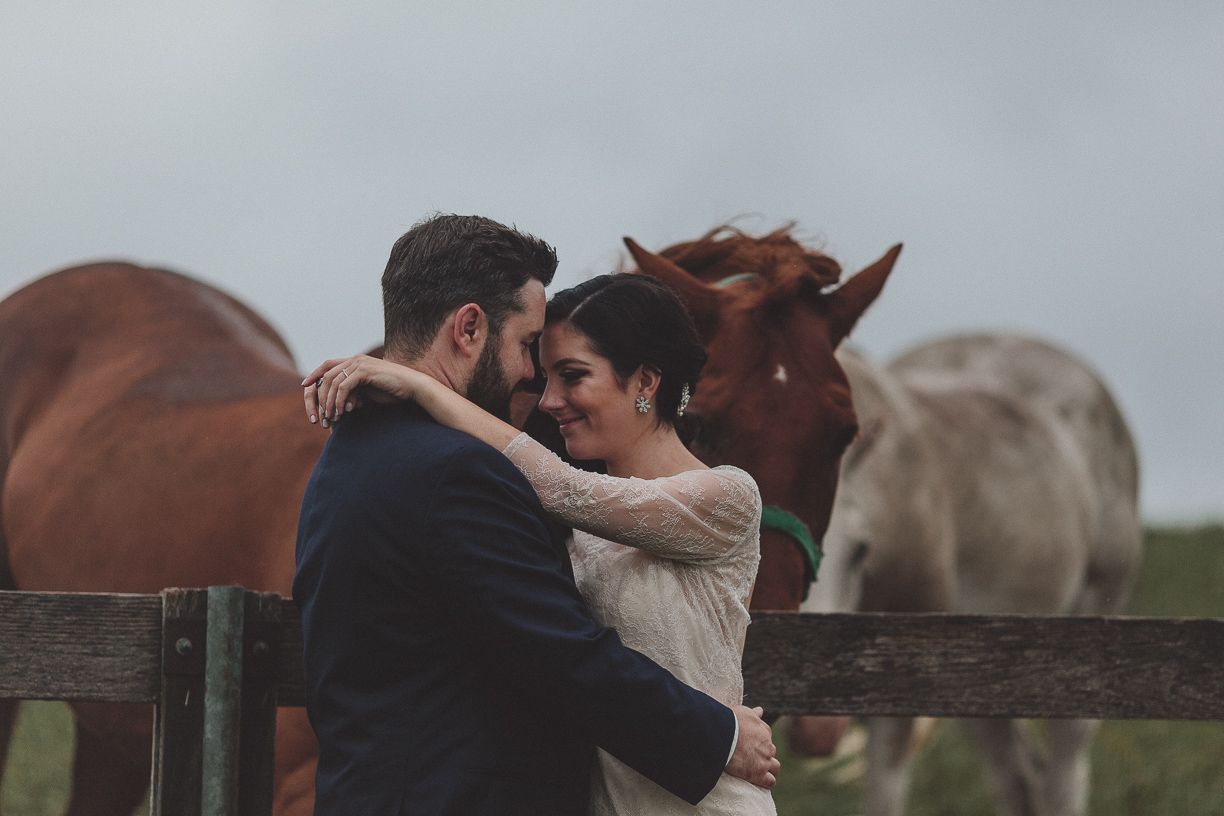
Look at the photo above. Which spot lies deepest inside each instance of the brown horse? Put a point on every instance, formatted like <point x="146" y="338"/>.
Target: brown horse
<point x="152" y="436"/>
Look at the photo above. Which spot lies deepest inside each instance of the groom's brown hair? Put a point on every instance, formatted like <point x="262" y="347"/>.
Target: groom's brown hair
<point x="447" y="261"/>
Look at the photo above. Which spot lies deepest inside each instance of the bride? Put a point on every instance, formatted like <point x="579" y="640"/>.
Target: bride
<point x="665" y="549"/>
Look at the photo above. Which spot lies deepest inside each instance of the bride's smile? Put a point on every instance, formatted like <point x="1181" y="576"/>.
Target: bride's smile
<point x="594" y="408"/>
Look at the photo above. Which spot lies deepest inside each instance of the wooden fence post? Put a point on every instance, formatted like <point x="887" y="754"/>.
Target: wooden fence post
<point x="262" y="645"/>
<point x="222" y="701"/>
<point x="178" y="745"/>
<point x="178" y="732"/>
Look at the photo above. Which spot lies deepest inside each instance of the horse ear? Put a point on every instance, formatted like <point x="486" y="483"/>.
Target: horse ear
<point x="701" y="299"/>
<point x="848" y="302"/>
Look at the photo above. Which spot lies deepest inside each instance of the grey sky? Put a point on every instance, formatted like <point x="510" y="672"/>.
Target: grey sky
<point x="1055" y="168"/>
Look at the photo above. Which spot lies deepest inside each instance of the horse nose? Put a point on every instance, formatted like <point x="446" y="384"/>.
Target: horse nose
<point x="816" y="736"/>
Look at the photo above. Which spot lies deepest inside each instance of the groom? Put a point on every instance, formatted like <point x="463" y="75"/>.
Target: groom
<point x="451" y="665"/>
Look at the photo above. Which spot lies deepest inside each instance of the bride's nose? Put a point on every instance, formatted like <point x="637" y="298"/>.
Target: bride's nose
<point x="551" y="400"/>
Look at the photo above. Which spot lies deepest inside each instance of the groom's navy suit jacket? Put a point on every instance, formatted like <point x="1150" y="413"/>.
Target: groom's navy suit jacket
<point x="451" y="665"/>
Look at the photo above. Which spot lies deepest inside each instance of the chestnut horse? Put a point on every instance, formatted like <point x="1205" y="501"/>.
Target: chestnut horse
<point x="152" y="436"/>
<point x="774" y="400"/>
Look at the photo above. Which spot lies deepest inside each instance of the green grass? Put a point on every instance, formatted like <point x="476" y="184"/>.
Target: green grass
<point x="36" y="781"/>
<point x="39" y="774"/>
<point x="1138" y="767"/>
<point x="1148" y="768"/>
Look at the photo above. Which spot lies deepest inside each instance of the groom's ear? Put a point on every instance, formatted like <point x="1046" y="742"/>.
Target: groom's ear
<point x="469" y="328"/>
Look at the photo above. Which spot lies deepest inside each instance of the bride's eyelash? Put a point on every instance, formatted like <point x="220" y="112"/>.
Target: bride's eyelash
<point x="571" y="375"/>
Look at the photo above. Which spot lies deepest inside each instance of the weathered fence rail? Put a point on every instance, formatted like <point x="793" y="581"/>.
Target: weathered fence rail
<point x="939" y="665"/>
<point x="155" y="649"/>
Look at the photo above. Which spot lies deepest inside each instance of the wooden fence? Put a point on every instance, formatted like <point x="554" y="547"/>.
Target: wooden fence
<point x="216" y="672"/>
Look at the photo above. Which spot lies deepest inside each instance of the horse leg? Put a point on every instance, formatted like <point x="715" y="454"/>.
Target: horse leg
<point x="8" y="718"/>
<point x="8" y="708"/>
<point x="1105" y="590"/>
<point x="889" y="741"/>
<point x="1013" y="764"/>
<point x="110" y="774"/>
<point x="296" y="755"/>
<point x="815" y="736"/>
<point x="1066" y="783"/>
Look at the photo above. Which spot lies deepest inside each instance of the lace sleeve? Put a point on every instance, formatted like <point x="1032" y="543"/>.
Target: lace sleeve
<point x="694" y="516"/>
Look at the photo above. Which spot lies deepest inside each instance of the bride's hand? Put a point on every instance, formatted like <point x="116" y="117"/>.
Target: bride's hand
<point x="338" y="385"/>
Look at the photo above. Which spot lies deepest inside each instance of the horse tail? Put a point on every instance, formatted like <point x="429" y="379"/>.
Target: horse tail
<point x="1118" y="547"/>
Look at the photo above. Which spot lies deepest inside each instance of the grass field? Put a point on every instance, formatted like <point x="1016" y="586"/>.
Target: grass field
<point x="1139" y="768"/>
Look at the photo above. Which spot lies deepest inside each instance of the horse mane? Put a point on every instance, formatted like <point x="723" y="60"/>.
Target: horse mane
<point x="778" y="258"/>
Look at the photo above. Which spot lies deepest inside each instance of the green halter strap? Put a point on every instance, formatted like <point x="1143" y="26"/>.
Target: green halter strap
<point x="730" y="279"/>
<point x="775" y="518"/>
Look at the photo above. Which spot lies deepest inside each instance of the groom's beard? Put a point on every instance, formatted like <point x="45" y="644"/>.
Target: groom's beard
<point x="489" y="388"/>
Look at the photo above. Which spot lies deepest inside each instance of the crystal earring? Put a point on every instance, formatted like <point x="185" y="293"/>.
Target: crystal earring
<point x="684" y="398"/>
<point x="643" y="405"/>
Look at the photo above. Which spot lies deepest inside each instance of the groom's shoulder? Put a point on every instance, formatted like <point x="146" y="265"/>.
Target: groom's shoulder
<point x="407" y="440"/>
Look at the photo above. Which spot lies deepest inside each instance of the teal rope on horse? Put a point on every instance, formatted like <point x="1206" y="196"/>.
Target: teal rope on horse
<point x="730" y="279"/>
<point x="775" y="518"/>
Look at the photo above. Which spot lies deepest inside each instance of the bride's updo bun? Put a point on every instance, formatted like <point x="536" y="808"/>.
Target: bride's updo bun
<point x="635" y="320"/>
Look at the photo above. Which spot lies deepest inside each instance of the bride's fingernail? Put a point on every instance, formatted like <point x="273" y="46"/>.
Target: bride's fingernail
<point x="348" y="406"/>
<point x="313" y="419"/>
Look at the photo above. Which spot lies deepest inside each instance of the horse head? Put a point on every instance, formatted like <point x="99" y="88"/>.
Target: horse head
<point x="774" y="400"/>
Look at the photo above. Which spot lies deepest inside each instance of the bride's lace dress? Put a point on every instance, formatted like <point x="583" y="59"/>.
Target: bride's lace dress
<point x="678" y="594"/>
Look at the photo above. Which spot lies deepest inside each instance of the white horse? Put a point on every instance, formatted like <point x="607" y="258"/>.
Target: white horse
<point x="993" y="473"/>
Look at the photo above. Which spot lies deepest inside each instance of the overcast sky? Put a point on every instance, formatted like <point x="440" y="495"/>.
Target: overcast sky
<point x="1053" y="168"/>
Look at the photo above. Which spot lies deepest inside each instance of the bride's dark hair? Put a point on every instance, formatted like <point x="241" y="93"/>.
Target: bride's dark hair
<point x="635" y="320"/>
